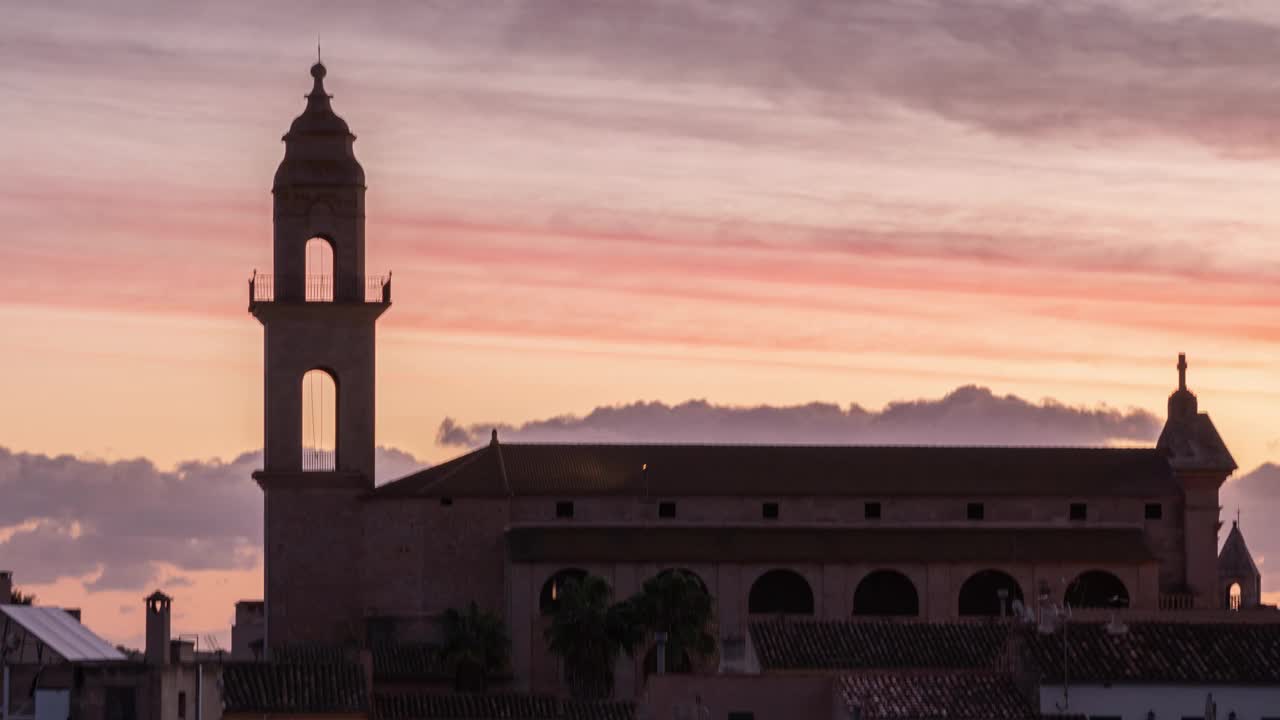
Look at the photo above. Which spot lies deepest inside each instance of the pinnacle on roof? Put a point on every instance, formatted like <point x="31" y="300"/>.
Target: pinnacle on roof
<point x="319" y="145"/>
<point x="1189" y="438"/>
<point x="318" y="118"/>
<point x="1235" y="559"/>
<point x="1182" y="403"/>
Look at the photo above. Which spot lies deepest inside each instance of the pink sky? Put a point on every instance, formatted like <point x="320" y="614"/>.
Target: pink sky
<point x="587" y="204"/>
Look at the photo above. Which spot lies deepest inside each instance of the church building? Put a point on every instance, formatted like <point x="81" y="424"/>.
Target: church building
<point x="831" y="532"/>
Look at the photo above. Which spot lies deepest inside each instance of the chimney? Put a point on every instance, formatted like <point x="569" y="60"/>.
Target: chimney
<point x="6" y="586"/>
<point x="158" y="606"/>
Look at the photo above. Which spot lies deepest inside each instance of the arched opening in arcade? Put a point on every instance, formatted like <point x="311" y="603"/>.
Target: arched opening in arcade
<point x="990" y="593"/>
<point x="319" y="421"/>
<point x="1097" y="589"/>
<point x="780" y="592"/>
<point x="549" y="598"/>
<point x="886" y="592"/>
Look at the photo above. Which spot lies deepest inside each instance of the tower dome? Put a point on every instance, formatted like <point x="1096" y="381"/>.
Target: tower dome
<point x="319" y="147"/>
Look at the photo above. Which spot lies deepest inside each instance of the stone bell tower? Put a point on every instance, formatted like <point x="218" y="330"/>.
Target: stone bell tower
<point x="318" y="311"/>
<point x="1201" y="463"/>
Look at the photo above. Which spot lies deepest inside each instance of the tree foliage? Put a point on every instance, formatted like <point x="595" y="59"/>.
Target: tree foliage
<point x="476" y="645"/>
<point x="589" y="632"/>
<point x="676" y="603"/>
<point x="17" y="597"/>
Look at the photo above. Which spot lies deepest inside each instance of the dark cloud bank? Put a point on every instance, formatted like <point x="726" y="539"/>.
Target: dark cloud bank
<point x="128" y="519"/>
<point x="126" y="522"/>
<point x="968" y="415"/>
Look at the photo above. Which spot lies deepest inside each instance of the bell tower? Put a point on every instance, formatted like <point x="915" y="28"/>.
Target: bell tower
<point x="318" y="311"/>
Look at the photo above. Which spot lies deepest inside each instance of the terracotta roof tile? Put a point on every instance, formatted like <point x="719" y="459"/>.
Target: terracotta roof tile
<point x="696" y="543"/>
<point x="789" y="470"/>
<point x="282" y="688"/>
<point x="1147" y="652"/>
<point x="843" y="645"/>
<point x="408" y="662"/>
<point x="312" y="655"/>
<point x="956" y="696"/>
<point x="1236" y="653"/>
<point x="508" y="706"/>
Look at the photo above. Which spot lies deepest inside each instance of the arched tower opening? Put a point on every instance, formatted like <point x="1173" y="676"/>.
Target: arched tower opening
<point x="989" y="592"/>
<point x="319" y="421"/>
<point x="1097" y="589"/>
<point x="780" y="592"/>
<point x="1235" y="596"/>
<point x="319" y="270"/>
<point x="886" y="592"/>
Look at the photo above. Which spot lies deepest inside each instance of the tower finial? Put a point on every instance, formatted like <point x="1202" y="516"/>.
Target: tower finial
<point x="318" y="59"/>
<point x="1182" y="371"/>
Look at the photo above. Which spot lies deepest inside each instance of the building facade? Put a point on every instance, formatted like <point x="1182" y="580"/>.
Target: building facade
<point x="927" y="533"/>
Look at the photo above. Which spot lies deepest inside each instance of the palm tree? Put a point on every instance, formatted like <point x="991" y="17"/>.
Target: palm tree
<point x="588" y="634"/>
<point x="475" y="646"/>
<point x="676" y="608"/>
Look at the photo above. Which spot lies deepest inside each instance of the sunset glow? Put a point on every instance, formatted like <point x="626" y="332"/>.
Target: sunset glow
<point x="748" y="203"/>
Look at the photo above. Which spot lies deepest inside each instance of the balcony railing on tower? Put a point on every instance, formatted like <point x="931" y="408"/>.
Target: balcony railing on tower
<point x="315" y="459"/>
<point x="319" y="288"/>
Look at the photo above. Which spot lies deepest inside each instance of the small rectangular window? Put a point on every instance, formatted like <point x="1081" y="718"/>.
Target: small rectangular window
<point x="666" y="509"/>
<point x="1079" y="511"/>
<point x="446" y="501"/>
<point x="976" y="511"/>
<point x="564" y="509"/>
<point x="740" y="715"/>
<point x="182" y="704"/>
<point x="871" y="511"/>
<point x="769" y="511"/>
<point x="1154" y="511"/>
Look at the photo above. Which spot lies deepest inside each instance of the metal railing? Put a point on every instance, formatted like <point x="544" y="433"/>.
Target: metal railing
<point x="1177" y="601"/>
<point x="319" y="288"/>
<point x="315" y="460"/>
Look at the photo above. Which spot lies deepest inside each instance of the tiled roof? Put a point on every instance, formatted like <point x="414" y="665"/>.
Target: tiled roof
<point x="507" y="706"/>
<point x="690" y="543"/>
<point x="844" y="645"/>
<point x="408" y="662"/>
<point x="1229" y="653"/>
<point x="312" y="655"/>
<point x="1147" y="652"/>
<point x="788" y="470"/>
<point x="956" y="696"/>
<point x="280" y="688"/>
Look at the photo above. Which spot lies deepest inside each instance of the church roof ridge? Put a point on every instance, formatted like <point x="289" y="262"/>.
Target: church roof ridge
<point x="674" y="469"/>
